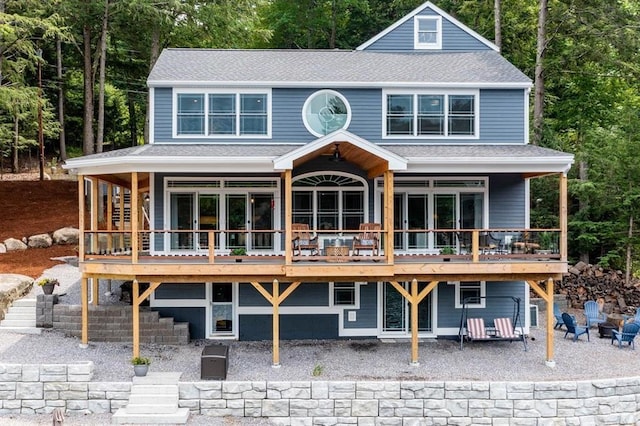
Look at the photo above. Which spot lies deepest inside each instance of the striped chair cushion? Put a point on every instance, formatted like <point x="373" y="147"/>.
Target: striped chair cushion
<point x="475" y="328"/>
<point x="504" y="328"/>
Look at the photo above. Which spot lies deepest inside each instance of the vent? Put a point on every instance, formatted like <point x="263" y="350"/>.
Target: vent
<point x="533" y="315"/>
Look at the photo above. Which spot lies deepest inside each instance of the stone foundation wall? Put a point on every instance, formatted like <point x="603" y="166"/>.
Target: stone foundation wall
<point x="27" y="388"/>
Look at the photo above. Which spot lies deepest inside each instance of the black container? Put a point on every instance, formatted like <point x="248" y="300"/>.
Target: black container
<point x="214" y="363"/>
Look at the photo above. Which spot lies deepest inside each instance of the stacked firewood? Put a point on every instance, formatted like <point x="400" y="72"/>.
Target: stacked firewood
<point x="590" y="282"/>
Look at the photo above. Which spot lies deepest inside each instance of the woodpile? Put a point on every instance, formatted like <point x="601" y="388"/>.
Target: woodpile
<point x="590" y="282"/>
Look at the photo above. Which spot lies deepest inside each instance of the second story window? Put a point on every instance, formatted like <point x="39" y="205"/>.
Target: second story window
<point x="431" y="115"/>
<point x="220" y="114"/>
<point x="427" y="32"/>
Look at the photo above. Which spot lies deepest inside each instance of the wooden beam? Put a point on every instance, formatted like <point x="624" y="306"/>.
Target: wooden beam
<point x="84" y="295"/>
<point x="414" y="322"/>
<point x="135" y="307"/>
<point x="563" y="218"/>
<point x="121" y="221"/>
<point x="288" y="291"/>
<point x="378" y="169"/>
<point x="550" y="317"/>
<point x="276" y="324"/>
<point x="81" y="214"/>
<point x="475" y="246"/>
<point x="95" y="291"/>
<point x="152" y="287"/>
<point x="263" y="292"/>
<point x="109" y="218"/>
<point x="135" y="207"/>
<point x="94" y="214"/>
<point x="539" y="290"/>
<point x="288" y="216"/>
<point x="388" y="217"/>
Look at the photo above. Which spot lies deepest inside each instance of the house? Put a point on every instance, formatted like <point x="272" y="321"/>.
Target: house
<point x="422" y="131"/>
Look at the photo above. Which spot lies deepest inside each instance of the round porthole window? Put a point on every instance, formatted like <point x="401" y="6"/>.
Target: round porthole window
<point x="326" y="111"/>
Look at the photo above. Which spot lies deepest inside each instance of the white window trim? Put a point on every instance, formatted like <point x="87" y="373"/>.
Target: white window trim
<point x="206" y="93"/>
<point x="445" y="93"/>
<point x="321" y="92"/>
<point x="416" y="34"/>
<point x="483" y="294"/>
<point x="356" y="298"/>
<point x="222" y="191"/>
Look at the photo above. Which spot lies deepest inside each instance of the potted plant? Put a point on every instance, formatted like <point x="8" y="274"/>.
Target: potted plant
<point x="545" y="239"/>
<point x="240" y="251"/>
<point x="47" y="284"/>
<point x="140" y="365"/>
<point x="447" y="250"/>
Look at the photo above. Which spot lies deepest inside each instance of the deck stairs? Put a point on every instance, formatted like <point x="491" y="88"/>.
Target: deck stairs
<point x="153" y="400"/>
<point x="21" y="317"/>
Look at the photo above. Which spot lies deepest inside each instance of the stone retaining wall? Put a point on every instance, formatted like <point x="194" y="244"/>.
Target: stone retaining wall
<point x="27" y="388"/>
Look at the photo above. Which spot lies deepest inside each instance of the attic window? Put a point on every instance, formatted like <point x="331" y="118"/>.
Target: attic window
<point x="326" y="111"/>
<point x="427" y="32"/>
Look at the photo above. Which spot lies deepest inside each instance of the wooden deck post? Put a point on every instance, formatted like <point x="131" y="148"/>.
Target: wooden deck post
<point x="414" y="299"/>
<point x="288" y="219"/>
<point x="135" y="305"/>
<point x="563" y="218"/>
<point x="95" y="244"/>
<point x="81" y="214"/>
<point x="95" y="291"/>
<point x="135" y="208"/>
<point x="84" y="292"/>
<point x="388" y="217"/>
<point x="475" y="246"/>
<point x="547" y="295"/>
<point x="109" y="218"/>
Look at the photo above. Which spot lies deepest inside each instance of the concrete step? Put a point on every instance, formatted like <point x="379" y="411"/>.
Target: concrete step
<point x="123" y="417"/>
<point x="154" y="390"/>
<point x="21" y="330"/>
<point x="24" y="303"/>
<point x="152" y="408"/>
<point x="18" y="323"/>
<point x="13" y="315"/>
<point x="153" y="399"/>
<point x="157" y="378"/>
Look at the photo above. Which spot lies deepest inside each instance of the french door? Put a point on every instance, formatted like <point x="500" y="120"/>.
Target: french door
<point x="246" y="217"/>
<point x="396" y="311"/>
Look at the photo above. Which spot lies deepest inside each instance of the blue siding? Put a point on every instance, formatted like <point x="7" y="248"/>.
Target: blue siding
<point x="162" y="105"/>
<point x="259" y="327"/>
<point x="367" y="315"/>
<point x="506" y="201"/>
<point x="501" y="118"/>
<point x="194" y="316"/>
<point x="307" y="294"/>
<point x="453" y="37"/>
<point x="502" y="114"/>
<point x="180" y="291"/>
<point x="449" y="316"/>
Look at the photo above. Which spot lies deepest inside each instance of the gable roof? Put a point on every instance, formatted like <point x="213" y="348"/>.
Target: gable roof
<point x="333" y="68"/>
<point x="445" y="15"/>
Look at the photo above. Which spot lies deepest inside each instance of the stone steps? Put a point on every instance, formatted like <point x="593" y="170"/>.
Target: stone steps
<point x="21" y="317"/>
<point x="153" y="400"/>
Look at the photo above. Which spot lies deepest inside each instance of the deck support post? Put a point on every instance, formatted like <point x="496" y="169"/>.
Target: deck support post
<point x="547" y="295"/>
<point x="84" y="292"/>
<point x="95" y="291"/>
<point x="135" y="209"/>
<point x="388" y="217"/>
<point x="136" y="299"/>
<point x="276" y="299"/>
<point x="563" y="217"/>
<point x="414" y="299"/>
<point x="288" y="218"/>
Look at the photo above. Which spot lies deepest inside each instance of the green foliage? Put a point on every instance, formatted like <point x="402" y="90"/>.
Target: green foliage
<point x="139" y="360"/>
<point x="317" y="370"/>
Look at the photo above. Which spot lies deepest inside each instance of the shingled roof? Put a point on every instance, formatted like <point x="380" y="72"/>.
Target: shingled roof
<point x="336" y="68"/>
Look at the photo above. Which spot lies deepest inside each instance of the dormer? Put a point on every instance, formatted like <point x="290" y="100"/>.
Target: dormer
<point x="428" y="29"/>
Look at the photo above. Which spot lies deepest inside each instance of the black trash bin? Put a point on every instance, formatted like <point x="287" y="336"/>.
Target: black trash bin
<point x="214" y="362"/>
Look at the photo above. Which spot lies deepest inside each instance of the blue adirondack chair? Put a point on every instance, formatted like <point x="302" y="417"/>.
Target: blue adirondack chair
<point x="558" y="314"/>
<point x="628" y="334"/>
<point x="573" y="327"/>
<point x="636" y="319"/>
<point x="593" y="314"/>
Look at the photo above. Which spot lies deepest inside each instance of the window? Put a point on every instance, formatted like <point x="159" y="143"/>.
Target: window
<point x="344" y="294"/>
<point x="427" y="32"/>
<point x="470" y="289"/>
<point x="220" y="114"/>
<point x="431" y="115"/>
<point x="326" y="111"/>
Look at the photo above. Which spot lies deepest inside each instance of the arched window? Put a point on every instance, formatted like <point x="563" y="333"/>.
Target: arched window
<point x="329" y="201"/>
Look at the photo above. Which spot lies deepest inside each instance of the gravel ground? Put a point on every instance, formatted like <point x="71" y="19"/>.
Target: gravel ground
<point x="369" y="359"/>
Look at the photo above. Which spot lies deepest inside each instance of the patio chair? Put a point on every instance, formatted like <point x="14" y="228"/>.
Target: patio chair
<point x="636" y="319"/>
<point x="301" y="239"/>
<point x="488" y="243"/>
<point x="593" y="314"/>
<point x="628" y="334"/>
<point x="367" y="239"/>
<point x="558" y="314"/>
<point x="476" y="329"/>
<point x="573" y="327"/>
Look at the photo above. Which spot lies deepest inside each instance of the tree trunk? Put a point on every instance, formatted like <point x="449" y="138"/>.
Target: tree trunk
<point x="332" y="36"/>
<point x="497" y="22"/>
<point x="133" y="129"/>
<point x="16" y="138"/>
<point x="629" y="265"/>
<point x="101" y="82"/>
<point x="583" y="174"/>
<point x="87" y="134"/>
<point x="538" y="104"/>
<point x="62" y="137"/>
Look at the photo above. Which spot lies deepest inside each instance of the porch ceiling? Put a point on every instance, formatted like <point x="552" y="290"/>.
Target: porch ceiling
<point x="124" y="180"/>
<point x="371" y="163"/>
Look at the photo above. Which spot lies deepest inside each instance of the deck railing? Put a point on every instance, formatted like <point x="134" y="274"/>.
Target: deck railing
<point x="419" y="245"/>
